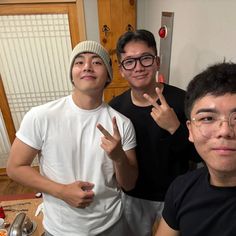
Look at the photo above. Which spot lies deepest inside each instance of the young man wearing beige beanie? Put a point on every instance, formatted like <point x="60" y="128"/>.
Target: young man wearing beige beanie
<point x="86" y="152"/>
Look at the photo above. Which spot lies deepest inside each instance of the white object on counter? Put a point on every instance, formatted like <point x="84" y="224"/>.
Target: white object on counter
<point x="39" y="209"/>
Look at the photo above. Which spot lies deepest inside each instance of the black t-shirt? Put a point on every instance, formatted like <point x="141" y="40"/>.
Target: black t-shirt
<point x="161" y="156"/>
<point x="196" y="208"/>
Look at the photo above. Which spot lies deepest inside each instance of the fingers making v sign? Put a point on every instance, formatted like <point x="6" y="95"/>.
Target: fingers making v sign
<point x="163" y="114"/>
<point x="111" y="143"/>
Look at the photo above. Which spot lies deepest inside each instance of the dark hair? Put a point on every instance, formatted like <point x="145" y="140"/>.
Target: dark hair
<point x="216" y="80"/>
<point x="137" y="35"/>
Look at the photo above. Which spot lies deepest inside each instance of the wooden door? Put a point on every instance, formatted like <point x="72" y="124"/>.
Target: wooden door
<point x="115" y="18"/>
<point x="74" y="9"/>
<point x="22" y="76"/>
<point x="6" y="113"/>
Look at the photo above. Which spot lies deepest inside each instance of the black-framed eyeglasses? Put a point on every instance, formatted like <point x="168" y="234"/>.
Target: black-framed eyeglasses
<point x="145" y="61"/>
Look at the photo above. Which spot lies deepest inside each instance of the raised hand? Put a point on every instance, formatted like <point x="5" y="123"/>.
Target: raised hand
<point x="111" y="143"/>
<point x="78" y="194"/>
<point x="163" y="114"/>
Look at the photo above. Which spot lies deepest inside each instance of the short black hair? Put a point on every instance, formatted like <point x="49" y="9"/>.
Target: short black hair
<point x="216" y="80"/>
<point x="137" y="35"/>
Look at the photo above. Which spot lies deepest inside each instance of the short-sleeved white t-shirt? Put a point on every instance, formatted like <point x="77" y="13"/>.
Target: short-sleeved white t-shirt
<point x="70" y="151"/>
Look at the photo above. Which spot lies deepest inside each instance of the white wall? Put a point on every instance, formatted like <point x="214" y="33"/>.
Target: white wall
<point x="91" y="19"/>
<point x="204" y="33"/>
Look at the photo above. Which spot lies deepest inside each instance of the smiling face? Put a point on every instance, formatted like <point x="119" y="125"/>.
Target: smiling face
<point x="140" y="77"/>
<point x="218" y="149"/>
<point x="89" y="73"/>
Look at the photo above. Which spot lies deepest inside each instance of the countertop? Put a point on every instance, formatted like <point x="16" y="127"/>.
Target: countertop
<point x="28" y="206"/>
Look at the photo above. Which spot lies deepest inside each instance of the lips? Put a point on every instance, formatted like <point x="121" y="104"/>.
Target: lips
<point x="88" y="77"/>
<point x="139" y="77"/>
<point x="224" y="150"/>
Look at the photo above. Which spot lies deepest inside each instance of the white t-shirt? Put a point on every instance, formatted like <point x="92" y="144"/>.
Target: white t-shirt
<point x="70" y="151"/>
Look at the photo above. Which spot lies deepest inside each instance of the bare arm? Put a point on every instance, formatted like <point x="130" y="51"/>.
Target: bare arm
<point x="127" y="170"/>
<point x="125" y="163"/>
<point x="164" y="229"/>
<point x="19" y="169"/>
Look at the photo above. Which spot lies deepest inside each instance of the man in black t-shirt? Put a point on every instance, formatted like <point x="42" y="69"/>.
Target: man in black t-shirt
<point x="157" y="112"/>
<point x="203" y="202"/>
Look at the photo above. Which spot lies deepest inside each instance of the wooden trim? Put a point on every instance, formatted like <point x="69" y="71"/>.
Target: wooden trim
<point x="73" y="24"/>
<point x="81" y="19"/>
<point x="74" y="9"/>
<point x="3" y="171"/>
<point x="15" y="9"/>
<point x="6" y="113"/>
<point x="3" y="2"/>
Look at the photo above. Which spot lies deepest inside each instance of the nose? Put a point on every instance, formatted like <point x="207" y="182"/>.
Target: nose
<point x="138" y="66"/>
<point x="87" y="65"/>
<point x="226" y="129"/>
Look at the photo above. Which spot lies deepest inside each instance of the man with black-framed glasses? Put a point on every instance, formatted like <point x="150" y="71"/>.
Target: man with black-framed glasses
<point x="157" y="112"/>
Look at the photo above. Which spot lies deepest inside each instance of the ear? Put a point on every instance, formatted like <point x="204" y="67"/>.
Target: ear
<point x="189" y="125"/>
<point x="121" y="70"/>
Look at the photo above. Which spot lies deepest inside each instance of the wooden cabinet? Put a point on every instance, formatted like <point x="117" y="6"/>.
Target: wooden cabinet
<point x="115" y="18"/>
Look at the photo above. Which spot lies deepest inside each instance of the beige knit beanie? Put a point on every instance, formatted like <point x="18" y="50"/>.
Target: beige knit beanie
<point x="93" y="47"/>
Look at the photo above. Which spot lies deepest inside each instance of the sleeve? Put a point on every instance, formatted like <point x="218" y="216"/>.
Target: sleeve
<point x="175" y="98"/>
<point x="129" y="137"/>
<point x="180" y="144"/>
<point x="29" y="131"/>
<point x="179" y="139"/>
<point x="170" y="211"/>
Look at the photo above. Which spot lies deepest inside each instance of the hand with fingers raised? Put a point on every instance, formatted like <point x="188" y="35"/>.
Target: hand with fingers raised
<point x="111" y="143"/>
<point x="163" y="114"/>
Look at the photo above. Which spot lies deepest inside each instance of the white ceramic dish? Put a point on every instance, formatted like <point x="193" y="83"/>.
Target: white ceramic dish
<point x="2" y="223"/>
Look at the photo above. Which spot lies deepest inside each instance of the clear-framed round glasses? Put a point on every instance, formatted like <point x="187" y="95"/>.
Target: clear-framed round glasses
<point x="209" y="123"/>
<point x="145" y="61"/>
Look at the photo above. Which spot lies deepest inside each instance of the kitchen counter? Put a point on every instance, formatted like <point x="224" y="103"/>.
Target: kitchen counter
<point x="28" y="206"/>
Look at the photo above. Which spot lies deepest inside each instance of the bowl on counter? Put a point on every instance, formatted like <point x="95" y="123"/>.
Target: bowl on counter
<point x="3" y="232"/>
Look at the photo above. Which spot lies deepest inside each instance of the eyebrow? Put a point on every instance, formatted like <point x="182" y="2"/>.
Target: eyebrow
<point x="212" y="110"/>
<point x="206" y="110"/>
<point x="94" y="55"/>
<point x="141" y="55"/>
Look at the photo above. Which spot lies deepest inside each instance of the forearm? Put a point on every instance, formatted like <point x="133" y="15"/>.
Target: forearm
<point x="164" y="229"/>
<point x="126" y="172"/>
<point x="28" y="176"/>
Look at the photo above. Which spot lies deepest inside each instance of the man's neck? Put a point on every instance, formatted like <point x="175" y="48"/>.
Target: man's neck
<point x="223" y="179"/>
<point x="85" y="101"/>
<point x="137" y="94"/>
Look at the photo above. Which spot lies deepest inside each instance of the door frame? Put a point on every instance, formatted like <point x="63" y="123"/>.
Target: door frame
<point x="74" y="9"/>
<point x="76" y="18"/>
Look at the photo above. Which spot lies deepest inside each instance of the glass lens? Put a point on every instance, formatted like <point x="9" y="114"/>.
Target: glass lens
<point x="210" y="123"/>
<point x="129" y="64"/>
<point x="147" y="60"/>
<point x="232" y="120"/>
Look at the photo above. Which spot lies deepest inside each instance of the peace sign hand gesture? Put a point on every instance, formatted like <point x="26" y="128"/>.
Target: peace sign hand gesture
<point x="111" y="143"/>
<point x="163" y="114"/>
